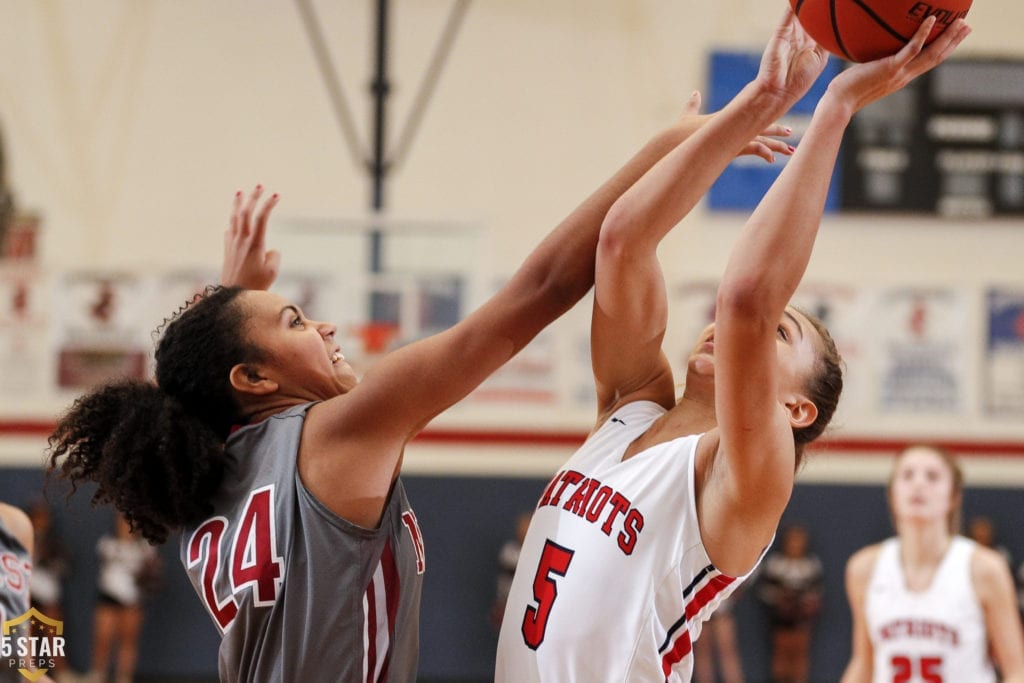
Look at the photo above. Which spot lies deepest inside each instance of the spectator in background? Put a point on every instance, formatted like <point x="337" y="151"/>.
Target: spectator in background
<point x="127" y="567"/>
<point x="982" y="530"/>
<point x="50" y="562"/>
<point x="717" y="648"/>
<point x="508" y="557"/>
<point x="790" y="586"/>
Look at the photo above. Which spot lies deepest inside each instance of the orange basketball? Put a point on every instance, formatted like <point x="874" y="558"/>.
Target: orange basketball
<point x="863" y="30"/>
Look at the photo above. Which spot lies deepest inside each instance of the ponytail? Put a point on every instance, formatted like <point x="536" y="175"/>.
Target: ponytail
<point x="154" y="462"/>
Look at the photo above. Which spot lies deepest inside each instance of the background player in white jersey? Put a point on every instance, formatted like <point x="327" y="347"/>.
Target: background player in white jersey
<point x="649" y="524"/>
<point x="928" y="605"/>
<point x="282" y="469"/>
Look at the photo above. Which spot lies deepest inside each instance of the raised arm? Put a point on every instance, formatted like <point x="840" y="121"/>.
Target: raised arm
<point x="352" y="445"/>
<point x="438" y="371"/>
<point x="766" y="264"/>
<point x="630" y="308"/>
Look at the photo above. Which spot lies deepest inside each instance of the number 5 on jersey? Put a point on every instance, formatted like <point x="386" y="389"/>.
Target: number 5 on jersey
<point x="554" y="561"/>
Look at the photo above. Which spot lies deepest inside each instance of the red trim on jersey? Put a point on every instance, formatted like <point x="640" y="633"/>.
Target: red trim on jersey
<point x="391" y="594"/>
<point x="697" y="602"/>
<point x="387" y="570"/>
<point x="371" y="631"/>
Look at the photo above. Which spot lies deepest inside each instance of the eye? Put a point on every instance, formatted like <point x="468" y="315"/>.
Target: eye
<point x="297" y="321"/>
<point x="783" y="333"/>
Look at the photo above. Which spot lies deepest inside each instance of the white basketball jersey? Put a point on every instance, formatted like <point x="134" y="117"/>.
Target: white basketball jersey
<point x="613" y="581"/>
<point x="933" y="636"/>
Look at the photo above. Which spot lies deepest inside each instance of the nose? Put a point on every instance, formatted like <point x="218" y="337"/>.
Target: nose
<point x="327" y="330"/>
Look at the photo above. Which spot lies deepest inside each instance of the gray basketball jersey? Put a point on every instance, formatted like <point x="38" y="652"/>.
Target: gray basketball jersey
<point x="297" y="592"/>
<point x="15" y="570"/>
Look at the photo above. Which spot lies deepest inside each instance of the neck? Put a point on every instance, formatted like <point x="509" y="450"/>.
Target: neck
<point x="923" y="544"/>
<point x="257" y="413"/>
<point x="692" y="414"/>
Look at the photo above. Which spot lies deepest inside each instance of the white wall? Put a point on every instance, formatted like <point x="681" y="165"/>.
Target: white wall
<point x="129" y="124"/>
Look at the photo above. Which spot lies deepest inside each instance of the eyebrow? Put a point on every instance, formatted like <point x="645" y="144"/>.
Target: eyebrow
<point x="795" y="322"/>
<point x="293" y="309"/>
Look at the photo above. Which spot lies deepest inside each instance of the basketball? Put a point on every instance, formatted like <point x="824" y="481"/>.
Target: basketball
<point x="863" y="30"/>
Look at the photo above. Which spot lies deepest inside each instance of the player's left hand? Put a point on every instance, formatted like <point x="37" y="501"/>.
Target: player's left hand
<point x="764" y="145"/>
<point x="247" y="261"/>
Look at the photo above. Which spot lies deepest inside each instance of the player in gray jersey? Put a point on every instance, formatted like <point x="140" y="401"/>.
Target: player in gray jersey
<point x="297" y="534"/>
<point x="15" y="571"/>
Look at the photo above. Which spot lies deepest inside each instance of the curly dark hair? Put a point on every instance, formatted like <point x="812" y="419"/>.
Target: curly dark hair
<point x="156" y="451"/>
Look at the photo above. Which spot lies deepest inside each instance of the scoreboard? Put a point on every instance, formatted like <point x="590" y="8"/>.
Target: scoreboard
<point x="950" y="143"/>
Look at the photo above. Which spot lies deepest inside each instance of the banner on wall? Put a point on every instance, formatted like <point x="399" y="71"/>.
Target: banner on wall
<point x="922" y="366"/>
<point x="1004" y="353"/>
<point x="23" y="358"/>
<point x="103" y="329"/>
<point x="530" y="377"/>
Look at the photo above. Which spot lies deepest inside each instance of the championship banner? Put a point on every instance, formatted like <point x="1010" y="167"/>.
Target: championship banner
<point x="1004" y="354"/>
<point x="103" y="329"/>
<point x="921" y="344"/>
<point x="23" y="320"/>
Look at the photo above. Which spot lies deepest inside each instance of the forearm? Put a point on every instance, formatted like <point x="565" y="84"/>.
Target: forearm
<point x="665" y="195"/>
<point x="775" y="245"/>
<point x="565" y="259"/>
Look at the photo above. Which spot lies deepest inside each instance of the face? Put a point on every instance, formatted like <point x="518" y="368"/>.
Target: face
<point x="797" y="345"/>
<point x="302" y="357"/>
<point x="922" y="487"/>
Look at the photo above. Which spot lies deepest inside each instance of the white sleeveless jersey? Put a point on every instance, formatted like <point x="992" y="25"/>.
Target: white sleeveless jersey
<point x="933" y="636"/>
<point x="613" y="581"/>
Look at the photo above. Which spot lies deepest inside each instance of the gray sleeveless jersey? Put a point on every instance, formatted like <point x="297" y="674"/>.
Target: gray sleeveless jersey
<point x="297" y="592"/>
<point x="15" y="569"/>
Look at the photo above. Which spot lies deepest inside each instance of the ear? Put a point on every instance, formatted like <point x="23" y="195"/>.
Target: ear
<point x="802" y="411"/>
<point x="248" y="380"/>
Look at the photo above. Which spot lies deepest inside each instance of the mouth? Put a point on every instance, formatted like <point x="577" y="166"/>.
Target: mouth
<point x="337" y="357"/>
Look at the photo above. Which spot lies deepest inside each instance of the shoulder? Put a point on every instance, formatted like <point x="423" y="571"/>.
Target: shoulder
<point x="636" y="412"/>
<point x="18" y="524"/>
<point x="861" y="565"/>
<point x="990" y="574"/>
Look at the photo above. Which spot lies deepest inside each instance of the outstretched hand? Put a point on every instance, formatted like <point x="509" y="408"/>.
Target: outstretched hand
<point x="247" y="262"/>
<point x="792" y="61"/>
<point x="764" y="145"/>
<point x="865" y="83"/>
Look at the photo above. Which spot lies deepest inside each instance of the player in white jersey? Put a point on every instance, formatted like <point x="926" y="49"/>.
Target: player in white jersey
<point x="930" y="606"/>
<point x="669" y="504"/>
